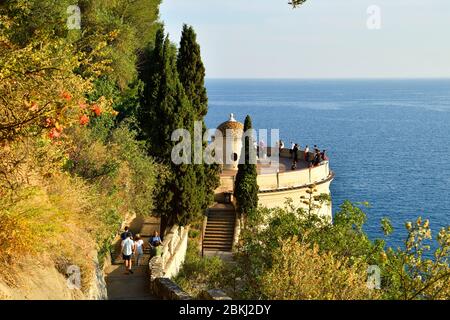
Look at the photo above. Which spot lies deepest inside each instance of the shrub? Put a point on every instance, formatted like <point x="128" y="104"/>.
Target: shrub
<point x="200" y="273"/>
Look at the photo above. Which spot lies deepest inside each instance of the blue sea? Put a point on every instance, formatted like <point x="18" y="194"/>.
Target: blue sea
<point x="388" y="140"/>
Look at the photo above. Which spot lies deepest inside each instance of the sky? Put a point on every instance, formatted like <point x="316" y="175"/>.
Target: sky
<point x="321" y="39"/>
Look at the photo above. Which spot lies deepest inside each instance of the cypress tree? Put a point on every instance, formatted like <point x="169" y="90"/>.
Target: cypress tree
<point x="246" y="186"/>
<point x="192" y="76"/>
<point x="165" y="109"/>
<point x="192" y="71"/>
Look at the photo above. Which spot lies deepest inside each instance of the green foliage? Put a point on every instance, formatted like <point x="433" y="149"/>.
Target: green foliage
<point x="166" y="108"/>
<point x="71" y="170"/>
<point x="293" y="275"/>
<point x="414" y="272"/>
<point x="191" y="72"/>
<point x="122" y="29"/>
<point x="289" y="247"/>
<point x="200" y="273"/>
<point x="246" y="187"/>
<point x="386" y="226"/>
<point x="117" y="163"/>
<point x="188" y="190"/>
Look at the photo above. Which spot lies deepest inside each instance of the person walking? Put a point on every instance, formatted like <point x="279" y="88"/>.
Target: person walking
<point x="139" y="248"/>
<point x="153" y="240"/>
<point x="124" y="234"/>
<point x="128" y="248"/>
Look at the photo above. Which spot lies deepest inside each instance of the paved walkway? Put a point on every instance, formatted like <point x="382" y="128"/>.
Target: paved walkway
<point x="135" y="286"/>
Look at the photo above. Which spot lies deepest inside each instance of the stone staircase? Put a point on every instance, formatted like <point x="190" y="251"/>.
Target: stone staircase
<point x="219" y="233"/>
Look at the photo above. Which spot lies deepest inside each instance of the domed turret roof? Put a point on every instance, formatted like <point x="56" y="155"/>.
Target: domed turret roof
<point x="236" y="127"/>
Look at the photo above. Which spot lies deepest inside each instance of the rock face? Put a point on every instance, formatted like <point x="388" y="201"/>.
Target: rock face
<point x="44" y="282"/>
<point x="97" y="290"/>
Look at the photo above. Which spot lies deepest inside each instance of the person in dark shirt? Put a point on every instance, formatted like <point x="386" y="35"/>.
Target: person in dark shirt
<point x="154" y="242"/>
<point x="154" y="239"/>
<point x="324" y="155"/>
<point x="295" y="152"/>
<point x="124" y="234"/>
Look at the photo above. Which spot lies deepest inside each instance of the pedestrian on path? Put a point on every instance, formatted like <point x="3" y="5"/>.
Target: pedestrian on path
<point x="124" y="234"/>
<point x="153" y="241"/>
<point x="127" y="251"/>
<point x="139" y="248"/>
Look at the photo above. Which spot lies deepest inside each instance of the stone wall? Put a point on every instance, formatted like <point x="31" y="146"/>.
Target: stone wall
<point x="97" y="286"/>
<point x="297" y="195"/>
<point x="162" y="269"/>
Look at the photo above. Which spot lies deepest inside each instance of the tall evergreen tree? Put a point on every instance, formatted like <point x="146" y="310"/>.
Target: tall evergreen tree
<point x="165" y="109"/>
<point x="246" y="186"/>
<point x="192" y="76"/>
<point x="192" y="71"/>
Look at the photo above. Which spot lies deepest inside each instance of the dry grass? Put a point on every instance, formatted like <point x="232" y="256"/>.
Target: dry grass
<point x="58" y="218"/>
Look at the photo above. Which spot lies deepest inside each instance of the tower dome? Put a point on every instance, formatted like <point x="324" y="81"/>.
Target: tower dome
<point x="235" y="127"/>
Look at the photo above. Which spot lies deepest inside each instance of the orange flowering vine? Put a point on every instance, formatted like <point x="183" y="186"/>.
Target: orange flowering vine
<point x="84" y="120"/>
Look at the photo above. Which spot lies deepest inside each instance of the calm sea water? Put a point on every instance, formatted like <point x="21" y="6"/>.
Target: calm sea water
<point x="388" y="140"/>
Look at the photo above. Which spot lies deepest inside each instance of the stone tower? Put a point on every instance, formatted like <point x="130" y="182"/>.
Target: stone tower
<point x="232" y="132"/>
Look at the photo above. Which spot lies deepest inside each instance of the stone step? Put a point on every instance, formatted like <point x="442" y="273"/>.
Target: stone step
<point x="220" y="232"/>
<point x="222" y="222"/>
<point x="221" y="219"/>
<point x="229" y="233"/>
<point x="217" y="243"/>
<point x="218" y="248"/>
<point x="222" y="206"/>
<point x="226" y="226"/>
<point x="217" y="239"/>
<point x="221" y="214"/>
<point x="219" y="229"/>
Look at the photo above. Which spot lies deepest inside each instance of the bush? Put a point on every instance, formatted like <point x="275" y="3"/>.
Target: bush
<point x="295" y="270"/>
<point x="200" y="273"/>
<point x="289" y="254"/>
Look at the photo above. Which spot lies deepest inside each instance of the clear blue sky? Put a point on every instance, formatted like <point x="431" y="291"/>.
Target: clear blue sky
<point x="322" y="39"/>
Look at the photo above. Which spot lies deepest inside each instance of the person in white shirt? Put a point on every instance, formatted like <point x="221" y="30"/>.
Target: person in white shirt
<point x="307" y="153"/>
<point x="291" y="151"/>
<point x="128" y="248"/>
<point x="139" y="248"/>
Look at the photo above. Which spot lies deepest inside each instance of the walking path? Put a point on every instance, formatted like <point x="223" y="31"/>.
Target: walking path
<point x="134" y="286"/>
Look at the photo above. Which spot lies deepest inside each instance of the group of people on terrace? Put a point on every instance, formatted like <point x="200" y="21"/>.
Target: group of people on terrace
<point x="133" y="246"/>
<point x="313" y="158"/>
